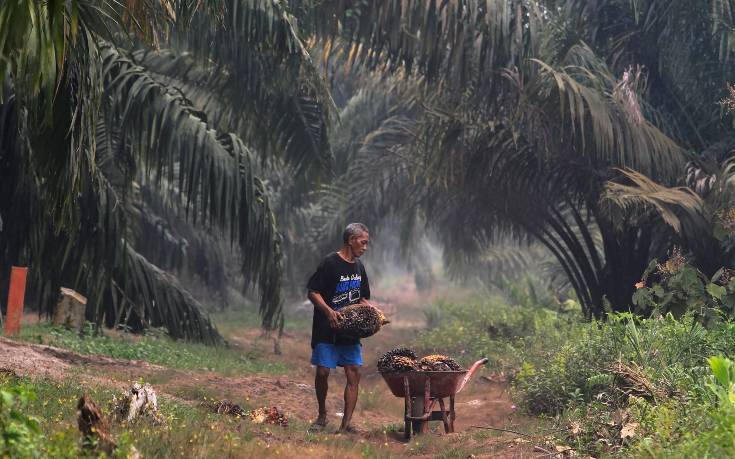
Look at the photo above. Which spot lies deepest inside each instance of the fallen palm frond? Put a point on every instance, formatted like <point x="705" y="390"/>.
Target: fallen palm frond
<point x="158" y="300"/>
<point x="631" y="380"/>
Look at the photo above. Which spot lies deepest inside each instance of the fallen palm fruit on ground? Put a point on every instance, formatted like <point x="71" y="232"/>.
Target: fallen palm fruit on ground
<point x="361" y="320"/>
<point x="228" y="407"/>
<point x="263" y="415"/>
<point x="267" y="415"/>
<point x="402" y="359"/>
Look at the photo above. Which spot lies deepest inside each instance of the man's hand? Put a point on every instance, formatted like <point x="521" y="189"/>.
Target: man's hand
<point x="334" y="318"/>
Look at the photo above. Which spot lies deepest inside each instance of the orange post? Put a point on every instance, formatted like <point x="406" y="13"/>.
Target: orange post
<point x="16" y="297"/>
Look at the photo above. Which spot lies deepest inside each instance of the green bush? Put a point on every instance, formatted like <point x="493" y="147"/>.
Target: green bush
<point x="491" y="328"/>
<point x="677" y="287"/>
<point x="19" y="433"/>
<point x="648" y="375"/>
<point x="666" y="352"/>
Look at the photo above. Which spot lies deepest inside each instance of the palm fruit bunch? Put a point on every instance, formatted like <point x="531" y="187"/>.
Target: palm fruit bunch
<point x="267" y="415"/>
<point x="361" y="320"/>
<point x="228" y="407"/>
<point x="438" y="362"/>
<point x="397" y="360"/>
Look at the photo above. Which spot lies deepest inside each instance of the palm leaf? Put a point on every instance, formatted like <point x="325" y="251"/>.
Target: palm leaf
<point x="212" y="172"/>
<point x="680" y="207"/>
<point x="286" y="120"/>
<point x="159" y="300"/>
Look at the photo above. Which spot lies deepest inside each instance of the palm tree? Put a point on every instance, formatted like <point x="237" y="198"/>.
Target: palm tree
<point x="530" y="108"/>
<point x="149" y="95"/>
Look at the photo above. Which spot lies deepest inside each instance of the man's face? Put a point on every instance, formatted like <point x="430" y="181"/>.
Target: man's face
<point x="359" y="243"/>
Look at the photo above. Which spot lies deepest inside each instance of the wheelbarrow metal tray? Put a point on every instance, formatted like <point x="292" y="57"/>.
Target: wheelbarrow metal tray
<point x="443" y="383"/>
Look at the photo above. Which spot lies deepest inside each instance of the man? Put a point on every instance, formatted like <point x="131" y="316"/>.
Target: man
<point x="340" y="280"/>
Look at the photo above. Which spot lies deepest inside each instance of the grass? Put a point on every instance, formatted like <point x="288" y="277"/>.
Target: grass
<point x="231" y="322"/>
<point x="188" y="431"/>
<point x="156" y="348"/>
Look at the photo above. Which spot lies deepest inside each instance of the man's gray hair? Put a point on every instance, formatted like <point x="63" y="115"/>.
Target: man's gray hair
<point x="353" y="229"/>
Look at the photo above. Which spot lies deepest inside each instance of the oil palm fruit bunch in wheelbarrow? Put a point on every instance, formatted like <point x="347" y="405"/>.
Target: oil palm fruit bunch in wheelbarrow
<point x="438" y="362"/>
<point x="361" y="320"/>
<point x="397" y="360"/>
<point x="403" y="359"/>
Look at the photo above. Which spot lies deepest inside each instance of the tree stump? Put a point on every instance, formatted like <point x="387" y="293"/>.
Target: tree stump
<point x="138" y="401"/>
<point x="93" y="426"/>
<point x="70" y="309"/>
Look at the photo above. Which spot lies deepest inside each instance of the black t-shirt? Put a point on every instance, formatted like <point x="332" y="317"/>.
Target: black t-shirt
<point x="340" y="283"/>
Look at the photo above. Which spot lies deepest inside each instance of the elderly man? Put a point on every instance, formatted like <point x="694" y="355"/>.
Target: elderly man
<point x="339" y="281"/>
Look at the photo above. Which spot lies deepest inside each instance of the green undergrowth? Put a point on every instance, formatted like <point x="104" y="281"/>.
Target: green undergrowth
<point x="483" y="327"/>
<point x="40" y="417"/>
<point x="634" y="387"/>
<point x="157" y="348"/>
<point x="625" y="387"/>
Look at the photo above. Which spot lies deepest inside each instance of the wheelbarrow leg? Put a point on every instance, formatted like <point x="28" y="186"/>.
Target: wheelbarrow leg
<point x="451" y="413"/>
<point x="407" y="411"/>
<point x="445" y="417"/>
<point x="427" y="405"/>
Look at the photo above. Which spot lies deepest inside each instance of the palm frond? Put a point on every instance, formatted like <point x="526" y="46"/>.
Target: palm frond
<point x="461" y="43"/>
<point x="598" y="123"/>
<point x="680" y="207"/>
<point x="159" y="300"/>
<point x="212" y="172"/>
<point x="278" y="119"/>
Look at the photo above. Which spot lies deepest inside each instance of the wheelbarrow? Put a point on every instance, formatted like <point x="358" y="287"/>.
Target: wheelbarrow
<point x="435" y="386"/>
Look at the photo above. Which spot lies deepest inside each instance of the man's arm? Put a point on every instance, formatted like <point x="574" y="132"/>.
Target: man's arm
<point x="318" y="302"/>
<point x="364" y="287"/>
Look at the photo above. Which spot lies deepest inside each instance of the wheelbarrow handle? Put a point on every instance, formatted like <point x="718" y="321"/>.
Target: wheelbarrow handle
<point x="475" y="366"/>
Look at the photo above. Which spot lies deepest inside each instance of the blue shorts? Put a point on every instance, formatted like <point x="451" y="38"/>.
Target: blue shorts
<point x="331" y="355"/>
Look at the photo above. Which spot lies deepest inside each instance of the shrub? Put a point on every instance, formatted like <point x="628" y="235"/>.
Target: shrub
<point x="677" y="287"/>
<point x="490" y="328"/>
<point x="19" y="433"/>
<point x="638" y="387"/>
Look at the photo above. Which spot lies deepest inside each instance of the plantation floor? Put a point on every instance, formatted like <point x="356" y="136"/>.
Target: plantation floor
<point x="484" y="402"/>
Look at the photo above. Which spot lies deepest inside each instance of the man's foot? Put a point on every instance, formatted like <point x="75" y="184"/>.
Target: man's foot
<point x="319" y="425"/>
<point x="350" y="429"/>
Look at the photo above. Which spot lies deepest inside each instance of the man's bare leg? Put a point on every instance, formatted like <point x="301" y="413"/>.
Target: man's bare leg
<point x="321" y="384"/>
<point x="352" y="372"/>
